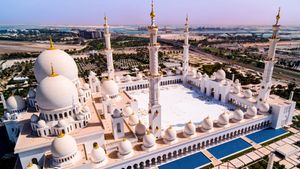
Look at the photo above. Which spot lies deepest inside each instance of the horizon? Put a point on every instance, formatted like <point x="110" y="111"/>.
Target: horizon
<point x="123" y="13"/>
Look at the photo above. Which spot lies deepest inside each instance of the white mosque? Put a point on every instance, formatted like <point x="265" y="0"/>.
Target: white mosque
<point x="69" y="123"/>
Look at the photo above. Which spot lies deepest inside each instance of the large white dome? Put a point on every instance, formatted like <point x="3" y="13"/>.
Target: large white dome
<point x="62" y="146"/>
<point x="63" y="63"/>
<point x="15" y="103"/>
<point x="56" y="92"/>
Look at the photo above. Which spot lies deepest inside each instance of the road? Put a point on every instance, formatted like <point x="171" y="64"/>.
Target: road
<point x="279" y="73"/>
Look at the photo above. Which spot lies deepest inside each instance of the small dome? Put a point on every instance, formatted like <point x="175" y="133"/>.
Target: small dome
<point x="133" y="119"/>
<point x="80" y="117"/>
<point x="169" y="73"/>
<point x="63" y="63"/>
<point x="128" y="78"/>
<point x="80" y="92"/>
<point x="199" y="75"/>
<point x="248" y="93"/>
<point x="189" y="128"/>
<point x="237" y="81"/>
<point x="125" y="147"/>
<point x="220" y="75"/>
<point x="32" y="166"/>
<point x="149" y="140"/>
<point x="205" y="76"/>
<point x="31" y="93"/>
<point x="116" y="113"/>
<point x="264" y="107"/>
<point x="86" y="109"/>
<point x="106" y="97"/>
<point x="238" y="114"/>
<point x="86" y="86"/>
<point x="139" y="76"/>
<point x="170" y="134"/>
<point x="251" y="111"/>
<point x="128" y="111"/>
<point x="207" y="123"/>
<point x="140" y="129"/>
<point x="34" y="118"/>
<point x="194" y="73"/>
<point x="110" y="88"/>
<point x="15" y="103"/>
<point x="64" y="145"/>
<point x="7" y="116"/>
<point x="41" y="124"/>
<point x="224" y="118"/>
<point x="236" y="89"/>
<point x="97" y="154"/>
<point x="62" y="123"/>
<point x="56" y="92"/>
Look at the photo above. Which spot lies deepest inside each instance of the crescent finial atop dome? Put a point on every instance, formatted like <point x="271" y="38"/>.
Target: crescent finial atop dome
<point x="53" y="74"/>
<point x="96" y="145"/>
<point x="61" y="134"/>
<point x="51" y="44"/>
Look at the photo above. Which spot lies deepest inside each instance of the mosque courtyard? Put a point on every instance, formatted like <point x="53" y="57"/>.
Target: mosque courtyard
<point x="180" y="105"/>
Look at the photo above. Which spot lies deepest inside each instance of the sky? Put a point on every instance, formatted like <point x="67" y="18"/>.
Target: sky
<point x="136" y="12"/>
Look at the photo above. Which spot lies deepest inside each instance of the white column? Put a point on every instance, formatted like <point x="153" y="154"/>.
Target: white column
<point x="154" y="80"/>
<point x="266" y="83"/>
<point x="108" y="50"/>
<point x="186" y="52"/>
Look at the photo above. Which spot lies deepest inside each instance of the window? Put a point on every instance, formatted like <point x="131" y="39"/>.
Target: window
<point x="118" y="127"/>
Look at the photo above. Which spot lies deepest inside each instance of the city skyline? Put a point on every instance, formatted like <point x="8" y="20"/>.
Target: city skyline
<point x="135" y="12"/>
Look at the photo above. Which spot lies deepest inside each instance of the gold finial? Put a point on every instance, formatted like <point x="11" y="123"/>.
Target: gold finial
<point x="190" y="122"/>
<point x="51" y="44"/>
<point x="53" y="74"/>
<point x="152" y="14"/>
<point x="170" y="127"/>
<point x="278" y="17"/>
<point x="61" y="134"/>
<point x="124" y="139"/>
<point x="29" y="164"/>
<point x="147" y="132"/>
<point x="95" y="145"/>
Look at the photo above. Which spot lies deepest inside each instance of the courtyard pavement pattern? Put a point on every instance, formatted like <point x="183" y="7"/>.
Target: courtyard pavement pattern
<point x="214" y="155"/>
<point x="249" y="158"/>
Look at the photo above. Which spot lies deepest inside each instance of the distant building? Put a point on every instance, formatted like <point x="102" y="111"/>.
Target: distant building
<point x="90" y="34"/>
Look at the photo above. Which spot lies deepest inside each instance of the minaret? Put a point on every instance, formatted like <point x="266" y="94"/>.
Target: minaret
<point x="266" y="83"/>
<point x="186" y="51"/>
<point x="154" y="79"/>
<point x="108" y="50"/>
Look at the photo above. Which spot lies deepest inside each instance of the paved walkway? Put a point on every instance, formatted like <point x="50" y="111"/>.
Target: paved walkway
<point x="214" y="161"/>
<point x="254" y="145"/>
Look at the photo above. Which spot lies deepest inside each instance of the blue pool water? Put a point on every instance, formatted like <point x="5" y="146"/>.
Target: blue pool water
<point x="265" y="135"/>
<point x="229" y="148"/>
<point x="188" y="162"/>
